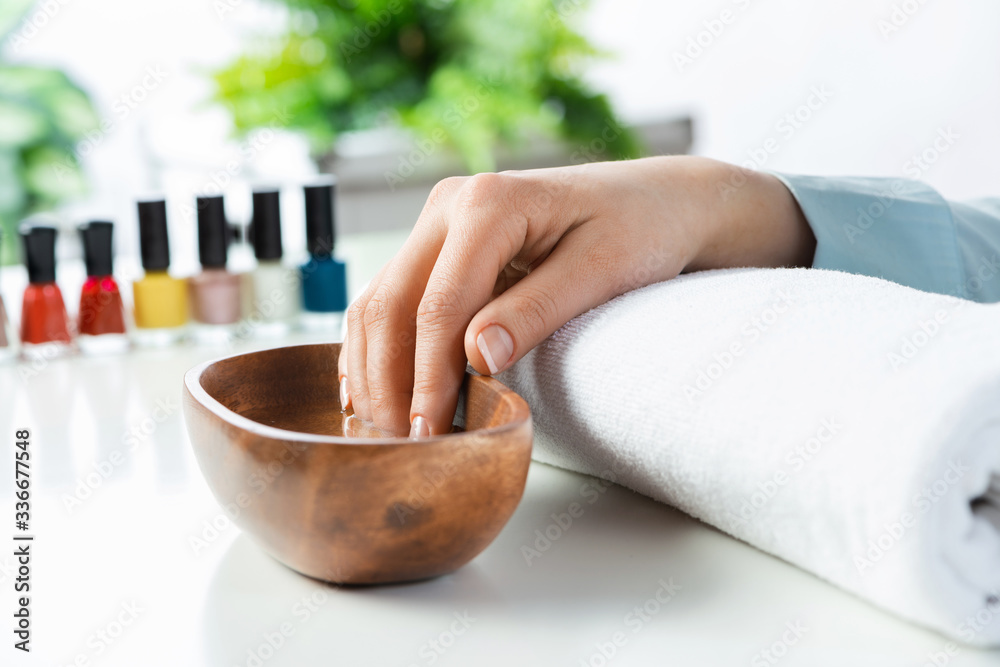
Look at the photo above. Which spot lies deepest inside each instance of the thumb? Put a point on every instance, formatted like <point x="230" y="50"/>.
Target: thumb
<point x="567" y="283"/>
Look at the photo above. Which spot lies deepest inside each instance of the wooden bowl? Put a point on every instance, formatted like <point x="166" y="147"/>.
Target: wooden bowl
<point x="352" y="510"/>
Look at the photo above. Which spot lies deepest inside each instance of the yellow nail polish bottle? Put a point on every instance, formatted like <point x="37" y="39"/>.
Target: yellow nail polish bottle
<point x="161" y="301"/>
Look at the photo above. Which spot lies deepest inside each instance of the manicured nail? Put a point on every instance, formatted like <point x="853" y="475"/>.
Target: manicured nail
<point x="345" y="394"/>
<point x="496" y="346"/>
<point x="419" y="428"/>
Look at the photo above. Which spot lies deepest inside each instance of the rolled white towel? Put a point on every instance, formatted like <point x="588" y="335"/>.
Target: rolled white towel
<point x="846" y="424"/>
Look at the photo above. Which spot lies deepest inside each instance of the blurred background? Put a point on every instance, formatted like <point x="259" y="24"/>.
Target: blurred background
<point x="106" y="101"/>
<point x="102" y="101"/>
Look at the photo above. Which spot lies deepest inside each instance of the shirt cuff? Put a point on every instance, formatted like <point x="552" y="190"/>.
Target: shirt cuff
<point x="892" y="228"/>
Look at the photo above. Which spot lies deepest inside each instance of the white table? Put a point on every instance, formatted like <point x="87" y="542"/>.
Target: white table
<point x="146" y="570"/>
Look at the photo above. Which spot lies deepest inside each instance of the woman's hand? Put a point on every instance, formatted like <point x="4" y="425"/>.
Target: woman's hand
<point x="497" y="262"/>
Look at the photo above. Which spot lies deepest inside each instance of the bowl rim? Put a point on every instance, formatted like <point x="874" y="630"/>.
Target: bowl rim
<point x="192" y="382"/>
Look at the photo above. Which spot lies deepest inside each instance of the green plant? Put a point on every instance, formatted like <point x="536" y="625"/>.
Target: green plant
<point x="471" y="74"/>
<point x="42" y="116"/>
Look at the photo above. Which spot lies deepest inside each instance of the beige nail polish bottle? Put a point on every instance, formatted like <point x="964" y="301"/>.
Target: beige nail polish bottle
<point x="215" y="292"/>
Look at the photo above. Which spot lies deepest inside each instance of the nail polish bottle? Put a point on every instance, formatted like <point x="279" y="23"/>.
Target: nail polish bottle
<point x="215" y="292"/>
<point x="161" y="301"/>
<point x="101" y="319"/>
<point x="46" y="332"/>
<point x="273" y="289"/>
<point x="8" y="341"/>
<point x="324" y="277"/>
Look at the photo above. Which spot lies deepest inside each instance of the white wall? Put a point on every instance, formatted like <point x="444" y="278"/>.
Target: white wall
<point x="890" y="95"/>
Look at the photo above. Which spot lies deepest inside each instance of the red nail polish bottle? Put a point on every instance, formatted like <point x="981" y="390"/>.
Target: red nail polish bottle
<point x="45" y="327"/>
<point x="101" y="321"/>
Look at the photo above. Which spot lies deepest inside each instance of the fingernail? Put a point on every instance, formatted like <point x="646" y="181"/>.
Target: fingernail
<point x="496" y="346"/>
<point x="419" y="428"/>
<point x="345" y="394"/>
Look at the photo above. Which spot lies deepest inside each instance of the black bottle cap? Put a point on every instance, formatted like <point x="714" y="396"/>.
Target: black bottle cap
<point x="97" y="253"/>
<point x="154" y="245"/>
<point x="320" y="216"/>
<point x="214" y="232"/>
<point x="39" y="251"/>
<point x="265" y="230"/>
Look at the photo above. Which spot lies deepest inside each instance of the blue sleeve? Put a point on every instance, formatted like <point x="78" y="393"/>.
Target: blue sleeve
<point x="903" y="231"/>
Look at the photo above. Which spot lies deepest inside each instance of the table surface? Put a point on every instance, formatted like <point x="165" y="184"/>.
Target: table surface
<point x="135" y="564"/>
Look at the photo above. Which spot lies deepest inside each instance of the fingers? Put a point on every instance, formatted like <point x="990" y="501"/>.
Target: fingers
<point x="388" y="370"/>
<point x="488" y="235"/>
<point x="381" y="337"/>
<point x="390" y="332"/>
<point x="352" y="365"/>
<point x="355" y="352"/>
<point x="345" y="388"/>
<point x="405" y="352"/>
<point x="439" y="357"/>
<point x="382" y="327"/>
<point x="581" y="272"/>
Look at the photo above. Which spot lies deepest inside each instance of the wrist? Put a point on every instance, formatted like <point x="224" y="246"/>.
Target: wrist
<point x="752" y="220"/>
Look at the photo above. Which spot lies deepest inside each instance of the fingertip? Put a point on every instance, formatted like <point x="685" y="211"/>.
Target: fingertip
<point x="345" y="385"/>
<point x="419" y="428"/>
<point x="432" y="413"/>
<point x="345" y="393"/>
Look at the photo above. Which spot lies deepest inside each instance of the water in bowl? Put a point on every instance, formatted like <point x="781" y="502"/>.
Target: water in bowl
<point x="316" y="419"/>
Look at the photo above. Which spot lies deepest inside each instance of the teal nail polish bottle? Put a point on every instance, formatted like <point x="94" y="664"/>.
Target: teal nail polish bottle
<point x="324" y="277"/>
